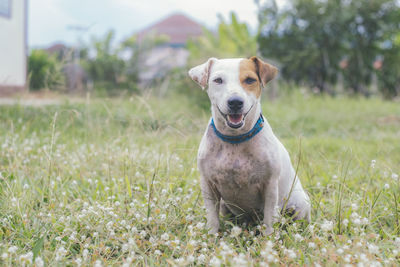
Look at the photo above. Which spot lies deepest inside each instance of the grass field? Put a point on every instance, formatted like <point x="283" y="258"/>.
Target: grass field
<point x="114" y="182"/>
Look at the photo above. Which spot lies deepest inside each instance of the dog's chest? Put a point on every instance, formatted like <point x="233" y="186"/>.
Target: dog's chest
<point x="238" y="172"/>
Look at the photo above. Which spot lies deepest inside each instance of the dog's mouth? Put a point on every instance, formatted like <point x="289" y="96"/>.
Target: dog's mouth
<point x="234" y="120"/>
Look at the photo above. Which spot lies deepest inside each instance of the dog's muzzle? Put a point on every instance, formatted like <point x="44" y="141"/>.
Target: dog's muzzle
<point x="235" y="119"/>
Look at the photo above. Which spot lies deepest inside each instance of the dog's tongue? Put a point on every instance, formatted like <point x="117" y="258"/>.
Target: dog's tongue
<point x="235" y="118"/>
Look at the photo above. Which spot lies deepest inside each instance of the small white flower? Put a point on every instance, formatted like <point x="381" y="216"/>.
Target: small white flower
<point x="12" y="249"/>
<point x="395" y="176"/>
<point x="236" y="231"/>
<point x="386" y="186"/>
<point x="4" y="256"/>
<point x="26" y="258"/>
<point x="312" y="245"/>
<point x="39" y="261"/>
<point x="327" y="226"/>
<point x="215" y="262"/>
<point x="201" y="258"/>
<point x="345" y="222"/>
<point x="373" y="162"/>
<point x="339" y="251"/>
<point x="191" y="258"/>
<point x="298" y="237"/>
<point x="200" y="225"/>
<point x="60" y="253"/>
<point x="165" y="237"/>
<point x="373" y="249"/>
<point x="97" y="263"/>
<point x="290" y="253"/>
<point x="85" y="253"/>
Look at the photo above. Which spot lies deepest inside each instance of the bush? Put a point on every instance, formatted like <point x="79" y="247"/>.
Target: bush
<point x="44" y="71"/>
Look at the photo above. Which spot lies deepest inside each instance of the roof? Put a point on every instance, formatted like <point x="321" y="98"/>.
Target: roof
<point x="178" y="27"/>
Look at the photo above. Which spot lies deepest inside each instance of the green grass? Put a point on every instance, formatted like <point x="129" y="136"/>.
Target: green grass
<point x="115" y="182"/>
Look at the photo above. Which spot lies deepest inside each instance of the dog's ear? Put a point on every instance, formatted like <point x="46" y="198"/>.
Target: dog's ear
<point x="266" y="72"/>
<point x="200" y="73"/>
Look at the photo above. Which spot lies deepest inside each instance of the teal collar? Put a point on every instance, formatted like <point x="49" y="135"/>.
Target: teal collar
<point x="237" y="139"/>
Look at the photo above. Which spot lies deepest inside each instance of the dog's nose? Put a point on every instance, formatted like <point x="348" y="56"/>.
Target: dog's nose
<point x="235" y="103"/>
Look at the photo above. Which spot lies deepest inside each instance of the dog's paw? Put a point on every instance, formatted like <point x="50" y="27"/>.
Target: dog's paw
<point x="213" y="227"/>
<point x="213" y="231"/>
<point x="269" y="230"/>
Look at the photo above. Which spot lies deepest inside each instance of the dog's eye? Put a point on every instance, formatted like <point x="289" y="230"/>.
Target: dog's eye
<point x="249" y="80"/>
<point x="218" y="80"/>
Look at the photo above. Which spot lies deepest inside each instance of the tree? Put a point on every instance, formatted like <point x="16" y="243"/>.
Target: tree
<point x="231" y="40"/>
<point x="117" y="66"/>
<point x="44" y="71"/>
<point x="315" y="40"/>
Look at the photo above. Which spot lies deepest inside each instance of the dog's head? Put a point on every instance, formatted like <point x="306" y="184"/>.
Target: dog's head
<point x="234" y="88"/>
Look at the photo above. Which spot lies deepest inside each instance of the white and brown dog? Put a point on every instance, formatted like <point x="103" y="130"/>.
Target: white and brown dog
<point x="245" y="170"/>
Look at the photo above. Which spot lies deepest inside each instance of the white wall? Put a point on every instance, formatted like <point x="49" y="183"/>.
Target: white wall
<point x="13" y="46"/>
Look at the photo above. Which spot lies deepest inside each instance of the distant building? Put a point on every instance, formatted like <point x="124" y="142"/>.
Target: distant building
<point x="178" y="29"/>
<point x="13" y="45"/>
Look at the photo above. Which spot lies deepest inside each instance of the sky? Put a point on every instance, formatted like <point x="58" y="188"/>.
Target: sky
<point x="55" y="21"/>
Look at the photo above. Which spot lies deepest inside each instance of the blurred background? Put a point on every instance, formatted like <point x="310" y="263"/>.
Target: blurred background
<point x="120" y="47"/>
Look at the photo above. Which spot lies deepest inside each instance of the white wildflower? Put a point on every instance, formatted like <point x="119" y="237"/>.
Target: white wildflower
<point x="236" y="231"/>
<point x="26" y="258"/>
<point x="373" y="162"/>
<point x="298" y="237"/>
<point x="373" y="249"/>
<point x="12" y="249"/>
<point x="290" y="253"/>
<point x="39" y="262"/>
<point x="215" y="262"/>
<point x="165" y="237"/>
<point x="190" y="258"/>
<point x="312" y="245"/>
<point x="201" y="258"/>
<point x="85" y="253"/>
<point x="60" y="253"/>
<point x="327" y="226"/>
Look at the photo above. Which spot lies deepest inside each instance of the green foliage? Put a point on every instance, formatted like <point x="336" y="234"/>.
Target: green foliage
<point x="44" y="71"/>
<point x="231" y="40"/>
<point x="117" y="66"/>
<point x="316" y="40"/>
<point x="106" y="67"/>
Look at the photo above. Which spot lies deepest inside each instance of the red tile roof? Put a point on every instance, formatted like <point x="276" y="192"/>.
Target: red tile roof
<point x="177" y="27"/>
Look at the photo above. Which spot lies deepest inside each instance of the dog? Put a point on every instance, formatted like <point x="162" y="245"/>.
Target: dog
<point x="245" y="170"/>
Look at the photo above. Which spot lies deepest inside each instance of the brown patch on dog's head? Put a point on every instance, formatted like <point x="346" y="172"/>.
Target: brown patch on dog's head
<point x="255" y="69"/>
<point x="248" y="73"/>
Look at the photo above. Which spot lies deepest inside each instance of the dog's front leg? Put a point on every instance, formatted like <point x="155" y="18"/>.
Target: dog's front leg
<point x="270" y="204"/>
<point x="211" y="202"/>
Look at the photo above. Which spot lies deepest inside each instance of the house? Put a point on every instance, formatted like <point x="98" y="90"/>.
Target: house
<point x="13" y="45"/>
<point x="178" y="29"/>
